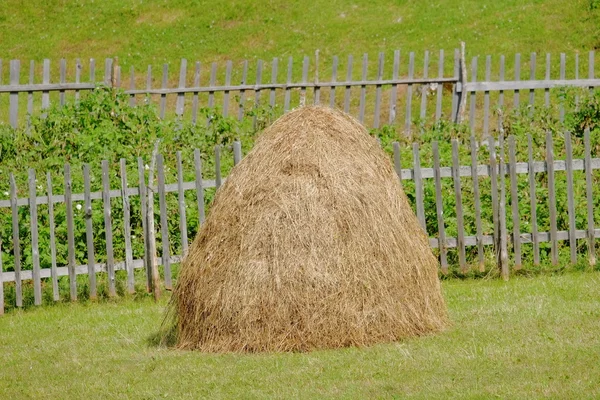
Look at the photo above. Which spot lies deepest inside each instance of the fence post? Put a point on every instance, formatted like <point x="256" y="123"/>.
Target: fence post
<point x="502" y="234"/>
<point x="152" y="267"/>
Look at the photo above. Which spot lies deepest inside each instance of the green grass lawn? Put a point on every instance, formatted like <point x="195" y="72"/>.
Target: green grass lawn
<point x="154" y="32"/>
<point x="528" y="338"/>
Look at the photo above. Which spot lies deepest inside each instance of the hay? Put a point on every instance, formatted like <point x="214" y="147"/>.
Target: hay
<point x="311" y="243"/>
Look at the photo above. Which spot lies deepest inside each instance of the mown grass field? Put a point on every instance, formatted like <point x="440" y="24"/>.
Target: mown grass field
<point x="154" y="32"/>
<point x="528" y="338"/>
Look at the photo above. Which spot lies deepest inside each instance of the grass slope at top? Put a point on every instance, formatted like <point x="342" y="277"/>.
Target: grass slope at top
<point x="154" y="32"/>
<point x="528" y="338"/>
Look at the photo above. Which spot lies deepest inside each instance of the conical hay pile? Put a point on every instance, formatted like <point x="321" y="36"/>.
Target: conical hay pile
<point x="311" y="243"/>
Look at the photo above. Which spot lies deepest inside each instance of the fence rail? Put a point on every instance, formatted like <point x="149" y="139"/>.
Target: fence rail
<point x="401" y="94"/>
<point x="498" y="179"/>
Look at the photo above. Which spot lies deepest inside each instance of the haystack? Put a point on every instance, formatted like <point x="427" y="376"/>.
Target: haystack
<point x="311" y="243"/>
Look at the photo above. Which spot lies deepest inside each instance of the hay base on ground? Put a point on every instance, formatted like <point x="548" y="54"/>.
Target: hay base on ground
<point x="311" y="243"/>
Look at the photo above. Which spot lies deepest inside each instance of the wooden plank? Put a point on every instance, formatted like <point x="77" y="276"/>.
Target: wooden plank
<point x="576" y="78"/>
<point x="107" y="71"/>
<point x="78" y="68"/>
<point x="272" y="94"/>
<point x="455" y="93"/>
<point x="477" y="203"/>
<point x="164" y="223"/>
<point x="92" y="70"/>
<point x="195" y="102"/>
<point x="394" y="89"/>
<point x="108" y="233"/>
<point x="517" y="94"/>
<point x="35" y="247"/>
<point x="259" y="68"/>
<point x="46" y="80"/>
<point x="562" y="77"/>
<point x="30" y="95"/>
<point x="551" y="196"/>
<point x="127" y="227"/>
<point x="181" y="203"/>
<point x="503" y="238"/>
<point x="591" y="67"/>
<point x="218" y="166"/>
<point x="144" y="214"/>
<point x="494" y="185"/>
<point x="304" y="81"/>
<point x="409" y="89"/>
<point x="148" y="84"/>
<point x="242" y="92"/>
<point x="199" y="186"/>
<point x="16" y="242"/>
<point x="212" y="83"/>
<point x="288" y="92"/>
<point x="363" y="89"/>
<point x="317" y="91"/>
<point x="486" y="98"/>
<point x="460" y="224"/>
<point x="533" y="204"/>
<point x="152" y="266"/>
<point x="590" y="200"/>
<point x="89" y="231"/>
<point x="132" y="86"/>
<point x="425" y="88"/>
<point x="532" y="77"/>
<point x="501" y="93"/>
<point x="439" y="206"/>
<point x="163" y="97"/>
<point x="228" y="68"/>
<point x="237" y="152"/>
<point x="54" y="276"/>
<point x="473" y="99"/>
<point x="547" y="77"/>
<point x="180" y="103"/>
<point x="348" y="87"/>
<point x="70" y="233"/>
<point x="63" y="80"/>
<point x="397" y="163"/>
<point x="419" y="194"/>
<point x="334" y="68"/>
<point x="439" y="88"/>
<point x="15" y="71"/>
<point x="377" y="115"/>
<point x="570" y="197"/>
<point x="514" y="202"/>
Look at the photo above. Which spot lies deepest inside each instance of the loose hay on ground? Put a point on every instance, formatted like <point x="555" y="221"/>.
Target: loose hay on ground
<point x="311" y="243"/>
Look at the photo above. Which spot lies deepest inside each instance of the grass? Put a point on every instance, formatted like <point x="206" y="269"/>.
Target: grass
<point x="528" y="338"/>
<point x="154" y="32"/>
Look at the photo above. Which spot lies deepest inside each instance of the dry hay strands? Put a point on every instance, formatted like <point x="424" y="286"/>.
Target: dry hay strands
<point x="310" y="244"/>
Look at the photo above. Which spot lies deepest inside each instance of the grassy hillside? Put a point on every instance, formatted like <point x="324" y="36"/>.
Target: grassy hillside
<point x="153" y="32"/>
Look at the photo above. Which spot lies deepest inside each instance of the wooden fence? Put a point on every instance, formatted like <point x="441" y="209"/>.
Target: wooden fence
<point x="376" y="94"/>
<point x="491" y="184"/>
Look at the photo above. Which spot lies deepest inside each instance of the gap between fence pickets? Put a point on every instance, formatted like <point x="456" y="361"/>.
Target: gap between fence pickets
<point x="406" y="174"/>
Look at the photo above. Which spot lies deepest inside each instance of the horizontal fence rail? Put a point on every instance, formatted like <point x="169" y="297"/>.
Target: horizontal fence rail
<point x="517" y="192"/>
<point x="401" y="91"/>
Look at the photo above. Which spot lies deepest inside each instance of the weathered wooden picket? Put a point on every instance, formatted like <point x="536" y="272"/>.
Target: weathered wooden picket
<point x="493" y="173"/>
<point x="412" y="96"/>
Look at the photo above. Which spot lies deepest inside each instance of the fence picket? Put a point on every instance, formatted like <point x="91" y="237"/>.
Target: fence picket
<point x="439" y="205"/>
<point x="501" y="92"/>
<point x="228" y="68"/>
<point x="455" y="93"/>
<point x="89" y="231"/>
<point x="363" y="90"/>
<point x="180" y="104"/>
<point x="259" y="68"/>
<point x="562" y="76"/>
<point x="590" y="200"/>
<point x="288" y="90"/>
<point x="460" y="226"/>
<point x="149" y="84"/>
<point x="425" y="87"/>
<point x="163" y="96"/>
<point x="305" y="65"/>
<point x="53" y="268"/>
<point x="378" y="92"/>
<point x="533" y="204"/>
<point x="195" y="102"/>
<point x="35" y="249"/>
<point x="15" y="71"/>
<point x="547" y="77"/>
<point x="317" y="88"/>
<point x="517" y="95"/>
<point x="16" y="241"/>
<point x="397" y="163"/>
<point x="218" y="166"/>
<point x="274" y="66"/>
<point x="439" y="88"/>
<point x="551" y="196"/>
<point x="131" y="86"/>
<point x="92" y="70"/>
<point x="494" y="185"/>
<point x="334" y="68"/>
<point x="591" y="67"/>
<point x="30" y="95"/>
<point x="110" y="262"/>
<point x="532" y="77"/>
<point x="486" y="98"/>
<point x="127" y="226"/>
<point x="348" y="87"/>
<point x="70" y="233"/>
<point x="78" y="68"/>
<point x="164" y="224"/>
<point x="411" y="74"/>
<point x="514" y="202"/>
<point x="181" y="203"/>
<point x="394" y="89"/>
<point x="570" y="197"/>
<point x="477" y="203"/>
<point x="144" y="214"/>
<point x="199" y="186"/>
<point x="1" y="283"/>
<point x="419" y="195"/>
<point x="237" y="152"/>
<point x="63" y="80"/>
<point x="213" y="81"/>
